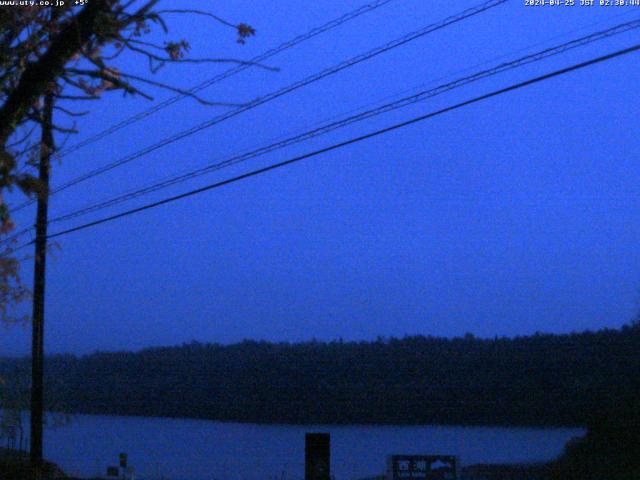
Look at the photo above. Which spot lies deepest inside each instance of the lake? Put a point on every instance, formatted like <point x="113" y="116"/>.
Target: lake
<point x="183" y="449"/>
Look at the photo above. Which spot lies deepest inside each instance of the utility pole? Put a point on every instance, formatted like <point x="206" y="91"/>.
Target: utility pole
<point x="37" y="336"/>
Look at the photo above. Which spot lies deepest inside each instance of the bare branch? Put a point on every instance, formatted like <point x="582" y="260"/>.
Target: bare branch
<point x="147" y="44"/>
<point x="181" y="91"/>
<point x="69" y="112"/>
<point x="199" y="12"/>
<point x="112" y="79"/>
<point x="23" y="139"/>
<point x="200" y="60"/>
<point x="64" y="129"/>
<point x="78" y="97"/>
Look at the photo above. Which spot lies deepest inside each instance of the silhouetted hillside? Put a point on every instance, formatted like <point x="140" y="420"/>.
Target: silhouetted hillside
<point x="610" y="449"/>
<point x="534" y="380"/>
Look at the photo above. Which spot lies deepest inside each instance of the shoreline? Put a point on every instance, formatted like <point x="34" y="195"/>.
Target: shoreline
<point x="324" y="424"/>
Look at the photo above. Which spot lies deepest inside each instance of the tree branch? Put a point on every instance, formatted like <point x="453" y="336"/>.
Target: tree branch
<point x="38" y="76"/>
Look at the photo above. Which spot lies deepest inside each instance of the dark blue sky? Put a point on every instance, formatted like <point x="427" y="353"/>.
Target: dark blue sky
<point x="515" y="215"/>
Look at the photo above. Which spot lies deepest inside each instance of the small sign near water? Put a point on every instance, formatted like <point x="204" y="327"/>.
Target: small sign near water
<point x="422" y="467"/>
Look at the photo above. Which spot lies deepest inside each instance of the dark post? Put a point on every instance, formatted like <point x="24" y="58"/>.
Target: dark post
<point x="123" y="465"/>
<point x="317" y="455"/>
<point x="37" y="336"/>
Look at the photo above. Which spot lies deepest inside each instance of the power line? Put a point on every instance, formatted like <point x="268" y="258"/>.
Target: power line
<point x="228" y="73"/>
<point x="402" y="102"/>
<point x="10" y="251"/>
<point x="470" y="12"/>
<point x="217" y="78"/>
<point x="351" y="141"/>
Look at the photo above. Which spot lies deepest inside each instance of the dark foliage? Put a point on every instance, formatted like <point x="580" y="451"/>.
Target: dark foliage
<point x="16" y="466"/>
<point x="535" y="380"/>
<point x="507" y="472"/>
<point x="610" y="449"/>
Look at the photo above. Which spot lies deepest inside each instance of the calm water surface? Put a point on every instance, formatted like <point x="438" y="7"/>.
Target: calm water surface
<point x="181" y="449"/>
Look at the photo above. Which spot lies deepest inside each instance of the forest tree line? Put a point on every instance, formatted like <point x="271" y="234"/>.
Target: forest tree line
<point x="543" y="379"/>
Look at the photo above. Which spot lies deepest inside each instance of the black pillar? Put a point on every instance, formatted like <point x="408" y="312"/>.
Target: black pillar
<point x="317" y="455"/>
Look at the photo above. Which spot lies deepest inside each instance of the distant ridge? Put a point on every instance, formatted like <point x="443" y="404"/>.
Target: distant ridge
<point x="543" y="379"/>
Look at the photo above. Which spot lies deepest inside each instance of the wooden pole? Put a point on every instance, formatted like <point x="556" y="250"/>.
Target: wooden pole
<point x="37" y="337"/>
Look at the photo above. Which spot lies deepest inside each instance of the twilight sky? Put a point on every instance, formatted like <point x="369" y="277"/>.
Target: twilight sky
<point x="515" y="215"/>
